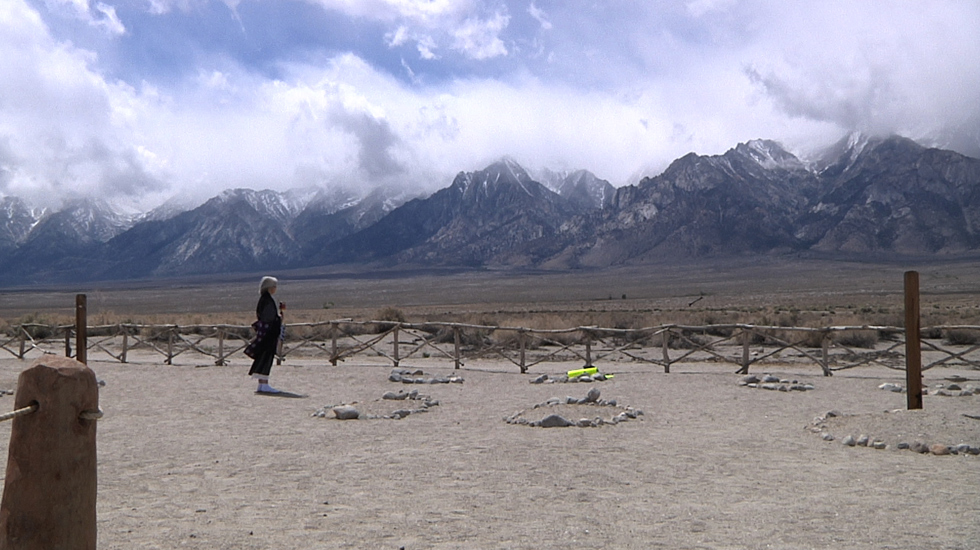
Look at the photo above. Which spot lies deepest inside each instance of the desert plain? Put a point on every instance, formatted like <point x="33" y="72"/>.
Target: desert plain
<point x="190" y="457"/>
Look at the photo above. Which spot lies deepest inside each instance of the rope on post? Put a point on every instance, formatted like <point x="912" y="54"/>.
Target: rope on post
<point x="19" y="412"/>
<point x="91" y="415"/>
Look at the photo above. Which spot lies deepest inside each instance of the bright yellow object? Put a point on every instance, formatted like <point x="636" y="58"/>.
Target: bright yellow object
<point x="580" y="372"/>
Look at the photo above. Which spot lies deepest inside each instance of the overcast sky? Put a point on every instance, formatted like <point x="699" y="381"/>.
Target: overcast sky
<point x="153" y="98"/>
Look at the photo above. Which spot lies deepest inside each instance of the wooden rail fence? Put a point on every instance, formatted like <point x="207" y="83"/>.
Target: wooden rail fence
<point x="831" y="348"/>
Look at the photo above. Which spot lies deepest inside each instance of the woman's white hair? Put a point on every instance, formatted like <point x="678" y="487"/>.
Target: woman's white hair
<point x="267" y="283"/>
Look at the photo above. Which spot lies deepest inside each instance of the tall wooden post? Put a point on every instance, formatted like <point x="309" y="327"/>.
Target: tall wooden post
<point x="170" y="345"/>
<point x="395" y="334"/>
<point x="81" y="329"/>
<point x="221" y="348"/>
<point x="588" y="349"/>
<point x="913" y="344"/>
<point x="825" y="354"/>
<point x="333" y="343"/>
<point x="522" y="340"/>
<point x="456" y="346"/>
<point x="665" y="349"/>
<point x="49" y="493"/>
<point x="746" y="337"/>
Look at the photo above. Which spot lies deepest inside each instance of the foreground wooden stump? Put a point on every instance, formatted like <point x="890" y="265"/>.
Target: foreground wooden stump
<point x="49" y="493"/>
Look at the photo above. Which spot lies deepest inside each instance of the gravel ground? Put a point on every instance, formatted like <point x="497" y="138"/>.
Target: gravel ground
<point x="191" y="457"/>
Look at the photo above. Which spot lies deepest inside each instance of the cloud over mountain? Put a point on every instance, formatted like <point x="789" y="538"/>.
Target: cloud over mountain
<point x="149" y="100"/>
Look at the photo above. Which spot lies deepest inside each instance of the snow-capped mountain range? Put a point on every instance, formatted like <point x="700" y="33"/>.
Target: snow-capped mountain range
<point x="863" y="196"/>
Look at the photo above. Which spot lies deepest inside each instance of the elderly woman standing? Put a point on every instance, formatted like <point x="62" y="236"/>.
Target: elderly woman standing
<point x="268" y="331"/>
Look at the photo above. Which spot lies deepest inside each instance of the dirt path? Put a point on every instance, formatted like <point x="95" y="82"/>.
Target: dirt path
<point x="192" y="458"/>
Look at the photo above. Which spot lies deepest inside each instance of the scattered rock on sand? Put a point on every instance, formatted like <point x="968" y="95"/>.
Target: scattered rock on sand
<point x="555" y="421"/>
<point x="394" y="396"/>
<point x="773" y="383"/>
<point x="408" y="376"/>
<point x="591" y="397"/>
<point x="918" y="447"/>
<point x="566" y="405"/>
<point x="346" y="412"/>
<point x="939" y="449"/>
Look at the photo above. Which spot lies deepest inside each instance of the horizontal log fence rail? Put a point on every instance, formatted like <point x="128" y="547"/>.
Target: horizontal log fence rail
<point x="831" y="348"/>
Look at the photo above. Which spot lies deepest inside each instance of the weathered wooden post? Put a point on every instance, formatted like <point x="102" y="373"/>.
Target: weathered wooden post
<point x="588" y="349"/>
<point x="170" y="345"/>
<point x="913" y="344"/>
<point x="746" y="337"/>
<point x="81" y="329"/>
<point x="68" y="341"/>
<point x="23" y="342"/>
<point x="825" y="354"/>
<point x="49" y="493"/>
<point x="395" y="335"/>
<point x="665" y="345"/>
<point x="333" y="343"/>
<point x="456" y="347"/>
<point x="522" y="342"/>
<point x="125" y="350"/>
<point x="221" y="348"/>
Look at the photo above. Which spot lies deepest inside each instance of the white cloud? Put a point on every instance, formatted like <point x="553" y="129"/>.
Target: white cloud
<point x="479" y="38"/>
<point x="466" y="26"/>
<point x="64" y="128"/>
<point x="161" y="7"/>
<point x="102" y="16"/>
<point x="881" y="68"/>
<point x="619" y="90"/>
<point x="539" y="14"/>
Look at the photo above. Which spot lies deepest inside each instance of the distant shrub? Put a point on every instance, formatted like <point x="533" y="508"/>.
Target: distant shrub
<point x="808" y="339"/>
<point x="866" y="339"/>
<point x="36" y="326"/>
<point x="392" y="314"/>
<point x="961" y="337"/>
<point x="688" y="340"/>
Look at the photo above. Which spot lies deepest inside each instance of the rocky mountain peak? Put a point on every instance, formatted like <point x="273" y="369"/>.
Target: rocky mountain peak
<point x="16" y="221"/>
<point x="767" y="154"/>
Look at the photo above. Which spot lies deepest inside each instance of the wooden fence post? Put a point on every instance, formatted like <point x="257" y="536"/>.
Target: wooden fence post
<point x="333" y="343"/>
<point x="665" y="345"/>
<point x="170" y="345"/>
<point x="913" y="344"/>
<point x="825" y="354"/>
<point x="456" y="347"/>
<point x="125" y="349"/>
<point x="522" y="342"/>
<point x="23" y="341"/>
<point x="67" y="341"/>
<point x="745" y="352"/>
<point x="221" y="348"/>
<point x="588" y="349"/>
<point x="81" y="329"/>
<point x="395" y="334"/>
<point x="49" y="494"/>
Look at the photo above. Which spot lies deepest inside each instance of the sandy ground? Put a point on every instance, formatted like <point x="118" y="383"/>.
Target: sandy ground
<point x="190" y="457"/>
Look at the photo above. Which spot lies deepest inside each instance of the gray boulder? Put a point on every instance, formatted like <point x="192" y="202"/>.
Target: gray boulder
<point x="555" y="421"/>
<point x="592" y="396"/>
<point x="346" y="412"/>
